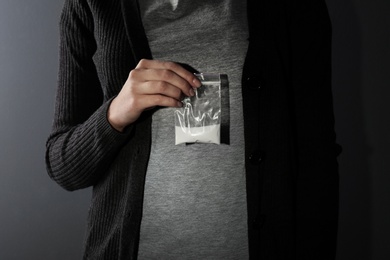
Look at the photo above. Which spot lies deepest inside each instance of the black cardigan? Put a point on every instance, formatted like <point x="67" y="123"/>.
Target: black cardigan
<point x="290" y="149"/>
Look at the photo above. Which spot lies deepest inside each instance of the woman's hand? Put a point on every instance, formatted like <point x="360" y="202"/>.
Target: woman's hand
<point x="152" y="83"/>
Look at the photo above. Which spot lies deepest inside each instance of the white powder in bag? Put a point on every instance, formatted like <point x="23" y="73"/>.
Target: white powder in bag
<point x="204" y="134"/>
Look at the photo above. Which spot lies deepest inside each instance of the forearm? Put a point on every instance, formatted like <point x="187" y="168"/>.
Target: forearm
<point x="76" y="157"/>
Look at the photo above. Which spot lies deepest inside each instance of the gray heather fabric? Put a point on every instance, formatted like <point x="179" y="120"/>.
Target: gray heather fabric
<point x="195" y="198"/>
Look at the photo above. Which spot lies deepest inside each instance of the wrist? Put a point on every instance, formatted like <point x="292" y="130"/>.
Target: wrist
<point x="113" y="119"/>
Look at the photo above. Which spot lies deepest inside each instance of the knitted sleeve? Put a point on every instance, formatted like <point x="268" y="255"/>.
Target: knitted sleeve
<point x="82" y="143"/>
<point x="317" y="169"/>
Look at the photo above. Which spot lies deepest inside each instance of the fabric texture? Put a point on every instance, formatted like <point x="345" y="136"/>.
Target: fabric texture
<point x="290" y="149"/>
<point x="195" y="206"/>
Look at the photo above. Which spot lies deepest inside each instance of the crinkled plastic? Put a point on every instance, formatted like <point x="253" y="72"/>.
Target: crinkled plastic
<point x="199" y="120"/>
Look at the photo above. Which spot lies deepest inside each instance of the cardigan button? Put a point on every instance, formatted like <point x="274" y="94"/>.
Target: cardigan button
<point x="254" y="83"/>
<point x="256" y="157"/>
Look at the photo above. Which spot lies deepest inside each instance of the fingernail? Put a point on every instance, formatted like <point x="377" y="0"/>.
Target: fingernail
<point x="192" y="93"/>
<point x="179" y="104"/>
<point x="197" y="82"/>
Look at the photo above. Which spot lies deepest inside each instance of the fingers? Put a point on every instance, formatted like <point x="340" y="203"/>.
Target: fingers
<point x="152" y="83"/>
<point x="161" y="81"/>
<point x="166" y="68"/>
<point x="149" y="101"/>
<point x="163" y="88"/>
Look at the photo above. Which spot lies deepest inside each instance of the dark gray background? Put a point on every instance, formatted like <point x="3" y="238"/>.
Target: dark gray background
<point x="39" y="220"/>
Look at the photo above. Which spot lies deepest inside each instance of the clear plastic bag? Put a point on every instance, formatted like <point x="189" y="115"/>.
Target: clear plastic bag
<point x="199" y="120"/>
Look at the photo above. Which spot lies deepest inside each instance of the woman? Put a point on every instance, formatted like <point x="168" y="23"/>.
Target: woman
<point x="270" y="193"/>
